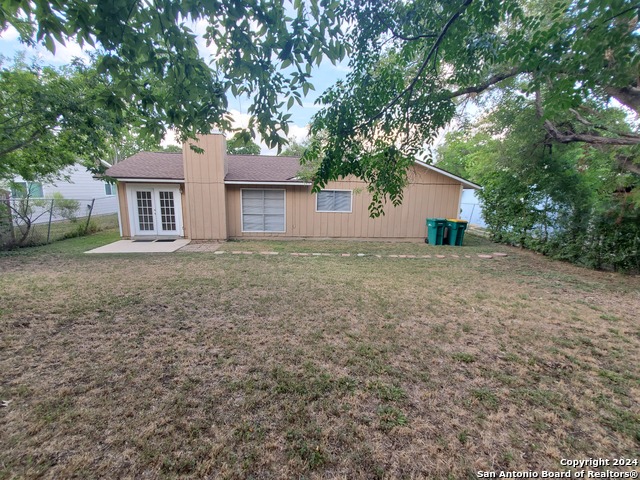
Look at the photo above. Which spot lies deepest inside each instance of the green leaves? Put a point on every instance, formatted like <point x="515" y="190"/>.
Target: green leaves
<point x="51" y="118"/>
<point x="153" y="59"/>
<point x="242" y="144"/>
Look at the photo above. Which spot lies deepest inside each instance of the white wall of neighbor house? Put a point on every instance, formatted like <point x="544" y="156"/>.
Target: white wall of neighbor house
<point x="76" y="183"/>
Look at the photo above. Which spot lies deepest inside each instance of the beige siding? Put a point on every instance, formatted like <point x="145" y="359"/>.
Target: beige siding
<point x="124" y="210"/>
<point x="429" y="194"/>
<point x="205" y="212"/>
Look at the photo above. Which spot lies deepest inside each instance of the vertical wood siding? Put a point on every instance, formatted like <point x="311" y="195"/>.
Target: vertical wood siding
<point x="124" y="210"/>
<point x="205" y="212"/>
<point x="429" y="194"/>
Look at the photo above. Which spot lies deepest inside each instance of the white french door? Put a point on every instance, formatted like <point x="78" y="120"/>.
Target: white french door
<point x="155" y="211"/>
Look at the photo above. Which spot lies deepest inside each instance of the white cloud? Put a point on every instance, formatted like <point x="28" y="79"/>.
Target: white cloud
<point x="10" y="34"/>
<point x="65" y="53"/>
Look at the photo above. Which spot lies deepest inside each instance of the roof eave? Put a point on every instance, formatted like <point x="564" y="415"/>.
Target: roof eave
<point x="254" y="182"/>
<point x="147" y="179"/>
<point x="466" y="183"/>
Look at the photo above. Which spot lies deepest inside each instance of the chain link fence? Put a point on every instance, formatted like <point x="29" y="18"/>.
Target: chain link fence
<point x="35" y="221"/>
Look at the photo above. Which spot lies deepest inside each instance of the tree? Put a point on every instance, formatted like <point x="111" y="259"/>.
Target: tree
<point x="263" y="50"/>
<point x="50" y="118"/>
<point x="413" y="63"/>
<point x="295" y="148"/>
<point x="128" y="142"/>
<point x="242" y="144"/>
<point x="171" y="149"/>
<point x="565" y="200"/>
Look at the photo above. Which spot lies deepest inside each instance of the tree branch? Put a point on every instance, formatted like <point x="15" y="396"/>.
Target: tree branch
<point x="625" y="164"/>
<point x="489" y="83"/>
<point x="399" y="35"/>
<point x="20" y="145"/>
<point x="422" y="68"/>
<point x="571" y="137"/>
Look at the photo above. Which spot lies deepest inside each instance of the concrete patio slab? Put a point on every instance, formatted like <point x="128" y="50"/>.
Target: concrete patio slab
<point x="131" y="246"/>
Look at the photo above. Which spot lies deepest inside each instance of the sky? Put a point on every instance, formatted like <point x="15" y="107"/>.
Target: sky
<point x="322" y="78"/>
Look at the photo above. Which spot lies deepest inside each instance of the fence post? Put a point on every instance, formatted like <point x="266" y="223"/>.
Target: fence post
<point x="86" y="227"/>
<point x="50" y="218"/>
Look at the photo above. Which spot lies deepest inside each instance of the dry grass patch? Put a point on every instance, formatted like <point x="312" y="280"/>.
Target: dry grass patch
<point x="196" y="365"/>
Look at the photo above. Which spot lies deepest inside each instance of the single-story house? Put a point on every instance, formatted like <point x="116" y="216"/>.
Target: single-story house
<point x="74" y="182"/>
<point x="216" y="196"/>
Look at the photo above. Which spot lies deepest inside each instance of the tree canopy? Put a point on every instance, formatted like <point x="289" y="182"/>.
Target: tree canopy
<point x="566" y="200"/>
<point x="263" y="49"/>
<point x="49" y="118"/>
<point x="414" y="63"/>
<point x="242" y="144"/>
<point x="295" y="148"/>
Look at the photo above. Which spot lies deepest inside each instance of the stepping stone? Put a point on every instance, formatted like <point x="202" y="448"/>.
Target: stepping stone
<point x="247" y="253"/>
<point x="316" y="254"/>
<point x="441" y="256"/>
<point x="346" y="254"/>
<point x="268" y="253"/>
<point x="425" y="256"/>
<point x="361" y="255"/>
<point x="499" y="254"/>
<point x="326" y="254"/>
<point x="467" y="256"/>
<point x="485" y="256"/>
<point x="393" y="256"/>
<point x="411" y="256"/>
<point x="303" y="254"/>
<point x="295" y="254"/>
<point x="402" y="256"/>
<point x="236" y="253"/>
<point x="378" y="256"/>
<point x="455" y="256"/>
<point x="219" y="252"/>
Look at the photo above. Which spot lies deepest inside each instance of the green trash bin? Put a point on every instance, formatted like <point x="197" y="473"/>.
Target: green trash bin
<point x="435" y="230"/>
<point x="456" y="231"/>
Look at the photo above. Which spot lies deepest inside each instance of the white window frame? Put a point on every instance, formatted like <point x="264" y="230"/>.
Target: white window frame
<point x="264" y="231"/>
<point x="112" y="189"/>
<point x="336" y="211"/>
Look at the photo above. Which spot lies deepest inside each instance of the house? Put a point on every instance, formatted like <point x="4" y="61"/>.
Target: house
<point x="216" y="196"/>
<point x="74" y="183"/>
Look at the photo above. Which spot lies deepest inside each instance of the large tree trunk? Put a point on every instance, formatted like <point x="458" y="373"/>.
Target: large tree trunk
<point x="627" y="96"/>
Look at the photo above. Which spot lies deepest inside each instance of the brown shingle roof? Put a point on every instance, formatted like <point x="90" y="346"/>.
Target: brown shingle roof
<point x="262" y="168"/>
<point x="160" y="165"/>
<point x="241" y="168"/>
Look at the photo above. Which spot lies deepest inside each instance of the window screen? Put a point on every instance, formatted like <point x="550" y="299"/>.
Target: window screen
<point x="33" y="189"/>
<point x="263" y="211"/>
<point x="333" y="201"/>
<point x="109" y="189"/>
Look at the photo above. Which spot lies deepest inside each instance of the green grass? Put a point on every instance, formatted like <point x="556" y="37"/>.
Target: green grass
<point x="197" y="365"/>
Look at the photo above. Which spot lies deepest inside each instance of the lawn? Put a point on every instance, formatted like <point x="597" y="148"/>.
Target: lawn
<point x="248" y="366"/>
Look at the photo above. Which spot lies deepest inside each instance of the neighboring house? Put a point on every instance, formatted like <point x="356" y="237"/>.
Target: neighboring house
<point x="75" y="183"/>
<point x="471" y="208"/>
<point x="215" y="196"/>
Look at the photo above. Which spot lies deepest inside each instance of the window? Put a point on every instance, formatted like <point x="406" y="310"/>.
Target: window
<point x="333" y="201"/>
<point x="262" y="210"/>
<point x="109" y="189"/>
<point x="20" y="190"/>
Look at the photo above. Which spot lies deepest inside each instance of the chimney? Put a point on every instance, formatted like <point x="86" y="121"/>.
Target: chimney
<point x="204" y="189"/>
